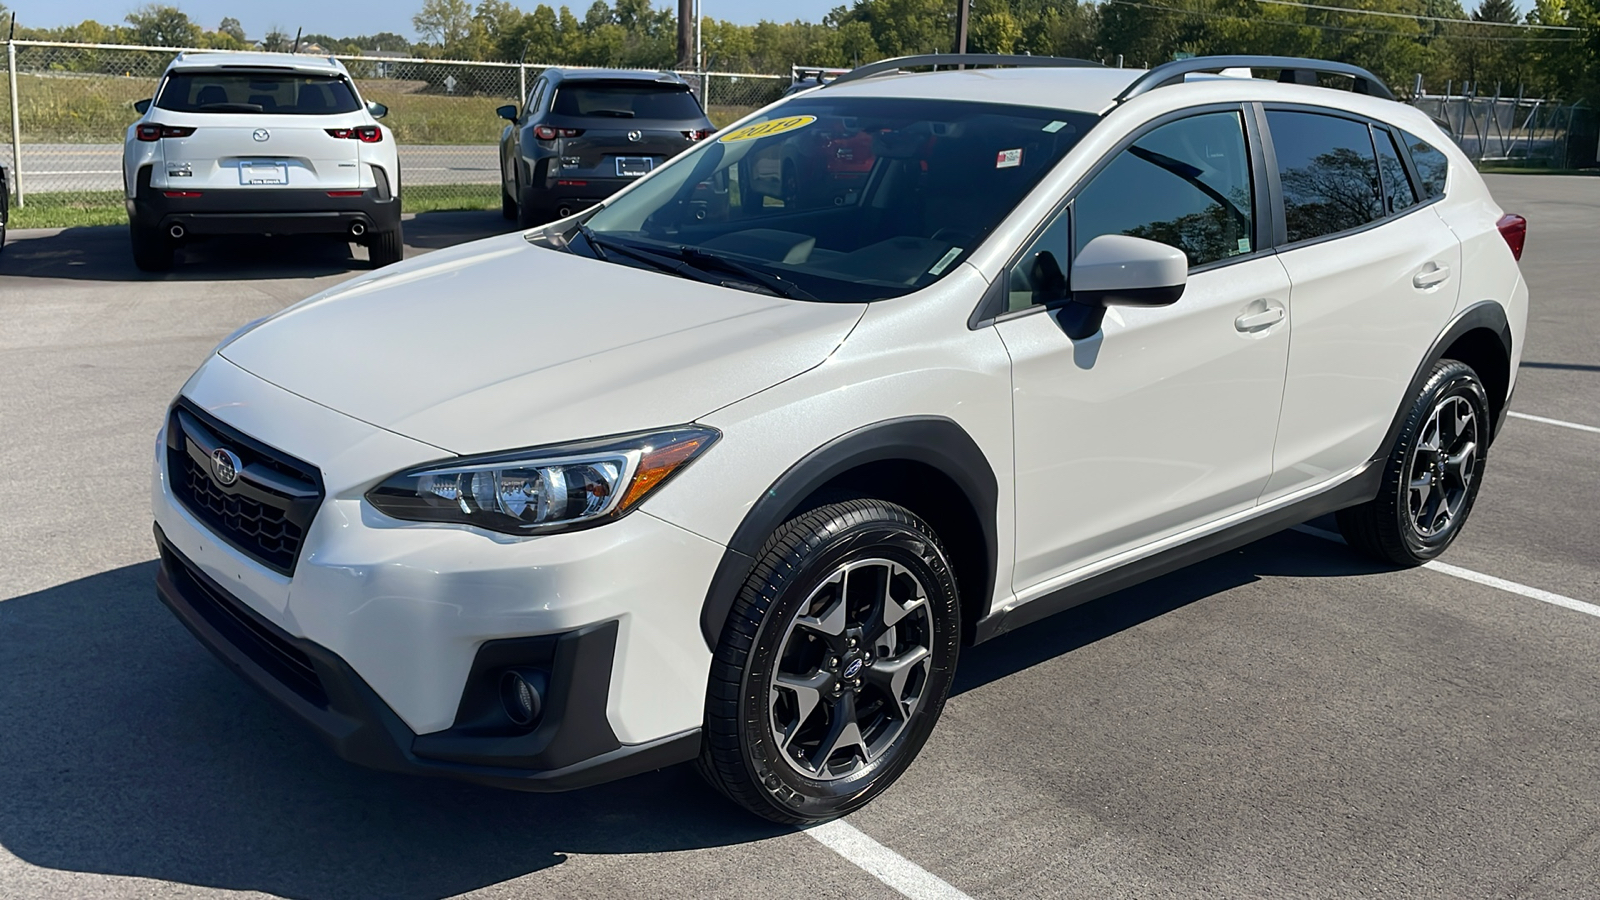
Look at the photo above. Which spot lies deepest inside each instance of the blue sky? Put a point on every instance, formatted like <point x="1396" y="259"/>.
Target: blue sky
<point x="351" y="18"/>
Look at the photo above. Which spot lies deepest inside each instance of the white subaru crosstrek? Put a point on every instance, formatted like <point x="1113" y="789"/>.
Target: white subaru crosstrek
<point x="730" y="467"/>
<point x="259" y="143"/>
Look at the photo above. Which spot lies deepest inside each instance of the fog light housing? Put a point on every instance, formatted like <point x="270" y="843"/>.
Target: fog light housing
<point x="522" y="694"/>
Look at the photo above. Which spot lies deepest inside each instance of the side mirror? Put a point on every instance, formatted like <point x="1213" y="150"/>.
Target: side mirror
<point x="142" y="106"/>
<point x="378" y="110"/>
<point x="507" y="112"/>
<point x="1118" y="270"/>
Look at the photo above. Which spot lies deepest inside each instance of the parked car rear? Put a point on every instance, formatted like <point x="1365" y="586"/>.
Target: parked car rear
<point x="583" y="135"/>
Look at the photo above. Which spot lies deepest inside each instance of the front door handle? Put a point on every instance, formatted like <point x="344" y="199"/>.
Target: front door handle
<point x="1433" y="276"/>
<point x="1259" y="318"/>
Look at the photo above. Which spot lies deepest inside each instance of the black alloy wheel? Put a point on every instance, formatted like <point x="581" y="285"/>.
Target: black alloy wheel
<point x="834" y="664"/>
<point x="1431" y="477"/>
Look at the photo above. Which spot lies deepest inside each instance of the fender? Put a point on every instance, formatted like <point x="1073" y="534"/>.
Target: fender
<point x="934" y="441"/>
<point x="1483" y="314"/>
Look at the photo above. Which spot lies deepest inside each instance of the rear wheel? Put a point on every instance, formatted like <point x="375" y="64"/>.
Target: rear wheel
<point x="386" y="247"/>
<point x="529" y="215"/>
<point x="1432" y="475"/>
<point x="834" y="664"/>
<point x="508" y="203"/>
<point x="152" y="251"/>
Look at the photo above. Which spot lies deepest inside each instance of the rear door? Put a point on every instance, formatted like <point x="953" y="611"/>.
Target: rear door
<point x="260" y="130"/>
<point x="1375" y="276"/>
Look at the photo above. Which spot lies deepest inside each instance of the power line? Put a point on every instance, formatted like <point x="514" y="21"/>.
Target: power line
<point x="1339" y="28"/>
<point x="1374" y="12"/>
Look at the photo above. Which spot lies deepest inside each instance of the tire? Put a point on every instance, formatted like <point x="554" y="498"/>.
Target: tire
<point x="386" y="247"/>
<point x="849" y="604"/>
<point x="1431" y="477"/>
<point x="152" y="251"/>
<point x="528" y="213"/>
<point x="508" y="206"/>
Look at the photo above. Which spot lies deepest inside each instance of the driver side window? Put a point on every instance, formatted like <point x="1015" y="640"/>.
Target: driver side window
<point x="1185" y="183"/>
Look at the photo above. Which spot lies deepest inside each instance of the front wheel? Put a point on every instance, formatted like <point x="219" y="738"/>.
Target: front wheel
<point x="1431" y="477"/>
<point x="834" y="664"/>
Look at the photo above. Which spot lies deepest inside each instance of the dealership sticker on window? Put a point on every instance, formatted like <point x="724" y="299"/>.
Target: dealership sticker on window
<point x="766" y="129"/>
<point x="945" y="261"/>
<point x="1008" y="159"/>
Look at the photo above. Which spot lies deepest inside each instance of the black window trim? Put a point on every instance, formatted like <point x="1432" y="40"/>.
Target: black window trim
<point x="1278" y="200"/>
<point x="1266" y="225"/>
<point x="1399" y="135"/>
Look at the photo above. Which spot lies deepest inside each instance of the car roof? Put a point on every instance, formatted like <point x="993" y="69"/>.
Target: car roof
<point x="1090" y="88"/>
<point x="615" y="75"/>
<point x="228" y="59"/>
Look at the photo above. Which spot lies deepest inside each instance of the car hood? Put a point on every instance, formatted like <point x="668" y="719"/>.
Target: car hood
<point x="501" y="344"/>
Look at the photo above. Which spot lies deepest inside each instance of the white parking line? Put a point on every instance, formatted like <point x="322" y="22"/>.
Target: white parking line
<point x="1533" y="593"/>
<point x="1573" y="425"/>
<point x="889" y="867"/>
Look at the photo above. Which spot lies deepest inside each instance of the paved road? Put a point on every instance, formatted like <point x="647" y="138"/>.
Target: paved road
<point x="98" y="167"/>
<point x="1283" y="721"/>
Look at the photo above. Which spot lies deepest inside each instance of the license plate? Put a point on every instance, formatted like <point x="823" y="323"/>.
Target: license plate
<point x="263" y="172"/>
<point x="634" y="166"/>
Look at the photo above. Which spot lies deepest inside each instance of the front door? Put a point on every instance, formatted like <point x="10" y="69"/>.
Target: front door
<point x="1165" y="420"/>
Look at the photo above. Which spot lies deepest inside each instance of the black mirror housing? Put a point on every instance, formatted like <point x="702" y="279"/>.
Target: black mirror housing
<point x="378" y="110"/>
<point x="142" y="106"/>
<point x="507" y="112"/>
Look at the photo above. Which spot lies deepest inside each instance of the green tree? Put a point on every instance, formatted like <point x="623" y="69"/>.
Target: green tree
<point x="443" y="22"/>
<point x="231" y="27"/>
<point x="163" y="26"/>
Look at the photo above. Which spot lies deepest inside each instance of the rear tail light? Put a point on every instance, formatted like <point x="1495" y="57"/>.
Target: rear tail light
<point x="546" y="133"/>
<point x="153" y="132"/>
<point x="700" y="134"/>
<point x="366" y="134"/>
<point x="1515" y="230"/>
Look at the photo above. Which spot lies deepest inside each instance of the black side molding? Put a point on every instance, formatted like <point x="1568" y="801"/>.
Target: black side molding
<point x="1485" y="314"/>
<point x="933" y="441"/>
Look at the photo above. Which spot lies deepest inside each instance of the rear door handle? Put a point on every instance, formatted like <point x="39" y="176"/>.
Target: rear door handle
<point x="1431" y="277"/>
<point x="1262" y="318"/>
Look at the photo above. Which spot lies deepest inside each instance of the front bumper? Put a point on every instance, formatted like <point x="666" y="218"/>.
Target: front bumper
<point x="265" y="212"/>
<point x="571" y="747"/>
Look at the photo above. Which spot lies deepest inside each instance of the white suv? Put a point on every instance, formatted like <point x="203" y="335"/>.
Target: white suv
<point x="730" y="467"/>
<point x="259" y="143"/>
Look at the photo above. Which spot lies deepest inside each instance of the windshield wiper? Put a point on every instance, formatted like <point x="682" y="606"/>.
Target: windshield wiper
<point x="774" y="283"/>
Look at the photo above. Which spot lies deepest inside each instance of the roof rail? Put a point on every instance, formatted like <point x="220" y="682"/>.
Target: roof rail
<point x="961" y="59"/>
<point x="1291" y="69"/>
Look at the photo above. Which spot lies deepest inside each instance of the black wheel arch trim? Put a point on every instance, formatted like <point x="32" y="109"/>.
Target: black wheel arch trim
<point x="933" y="441"/>
<point x="1485" y="314"/>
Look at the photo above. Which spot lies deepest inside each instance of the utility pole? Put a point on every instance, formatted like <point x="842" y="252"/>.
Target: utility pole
<point x="963" y="14"/>
<point x="686" y="26"/>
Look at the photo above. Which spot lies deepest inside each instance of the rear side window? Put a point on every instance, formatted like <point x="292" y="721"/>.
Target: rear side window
<point x="273" y="93"/>
<point x="1186" y="184"/>
<point x="1328" y="173"/>
<point x="1432" y="166"/>
<point x="626" y="100"/>
<point x="1396" y="184"/>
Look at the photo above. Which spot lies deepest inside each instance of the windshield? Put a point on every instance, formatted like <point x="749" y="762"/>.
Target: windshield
<point x="281" y="93"/>
<point x="626" y="99"/>
<point x="847" y="198"/>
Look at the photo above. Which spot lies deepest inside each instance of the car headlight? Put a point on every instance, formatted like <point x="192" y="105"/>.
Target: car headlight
<point x="544" y="489"/>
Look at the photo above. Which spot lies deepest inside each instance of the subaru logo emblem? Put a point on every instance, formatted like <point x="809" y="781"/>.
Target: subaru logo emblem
<point x="636" y="136"/>
<point x="261" y="134"/>
<point x="850" y="671"/>
<point x="225" y="466"/>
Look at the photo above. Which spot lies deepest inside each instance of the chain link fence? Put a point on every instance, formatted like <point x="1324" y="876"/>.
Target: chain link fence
<point x="72" y="104"/>
<point x="1516" y="131"/>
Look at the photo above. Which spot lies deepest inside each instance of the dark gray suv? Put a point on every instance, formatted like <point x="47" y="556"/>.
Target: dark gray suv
<point x="585" y="134"/>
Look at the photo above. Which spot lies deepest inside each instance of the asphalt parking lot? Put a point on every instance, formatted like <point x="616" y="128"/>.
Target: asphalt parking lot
<point x="1287" y="720"/>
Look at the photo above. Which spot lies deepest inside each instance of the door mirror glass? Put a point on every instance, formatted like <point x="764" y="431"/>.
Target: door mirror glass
<point x="507" y="112"/>
<point x="378" y="110"/>
<point x="143" y="106"/>
<point x="1118" y="270"/>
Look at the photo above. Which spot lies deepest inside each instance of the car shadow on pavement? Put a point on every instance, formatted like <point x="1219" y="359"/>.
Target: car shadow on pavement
<point x="1283" y="554"/>
<point x="100" y="253"/>
<point x="126" y="749"/>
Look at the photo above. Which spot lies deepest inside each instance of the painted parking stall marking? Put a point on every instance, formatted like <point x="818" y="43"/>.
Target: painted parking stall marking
<point x="889" y="867"/>
<point x="1557" y="422"/>
<point x="1532" y="593"/>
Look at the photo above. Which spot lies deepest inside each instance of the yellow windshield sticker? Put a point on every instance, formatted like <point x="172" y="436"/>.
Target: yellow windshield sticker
<point x="766" y="129"/>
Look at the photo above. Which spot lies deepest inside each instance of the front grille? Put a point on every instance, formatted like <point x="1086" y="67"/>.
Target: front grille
<point x="266" y="512"/>
<point x="243" y="629"/>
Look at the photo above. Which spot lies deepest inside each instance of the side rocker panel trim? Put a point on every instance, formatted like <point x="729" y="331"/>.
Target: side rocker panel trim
<point x="934" y="441"/>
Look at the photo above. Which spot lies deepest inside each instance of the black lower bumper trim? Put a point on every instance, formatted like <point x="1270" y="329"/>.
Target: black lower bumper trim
<point x="572" y="746"/>
<point x="265" y="212"/>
